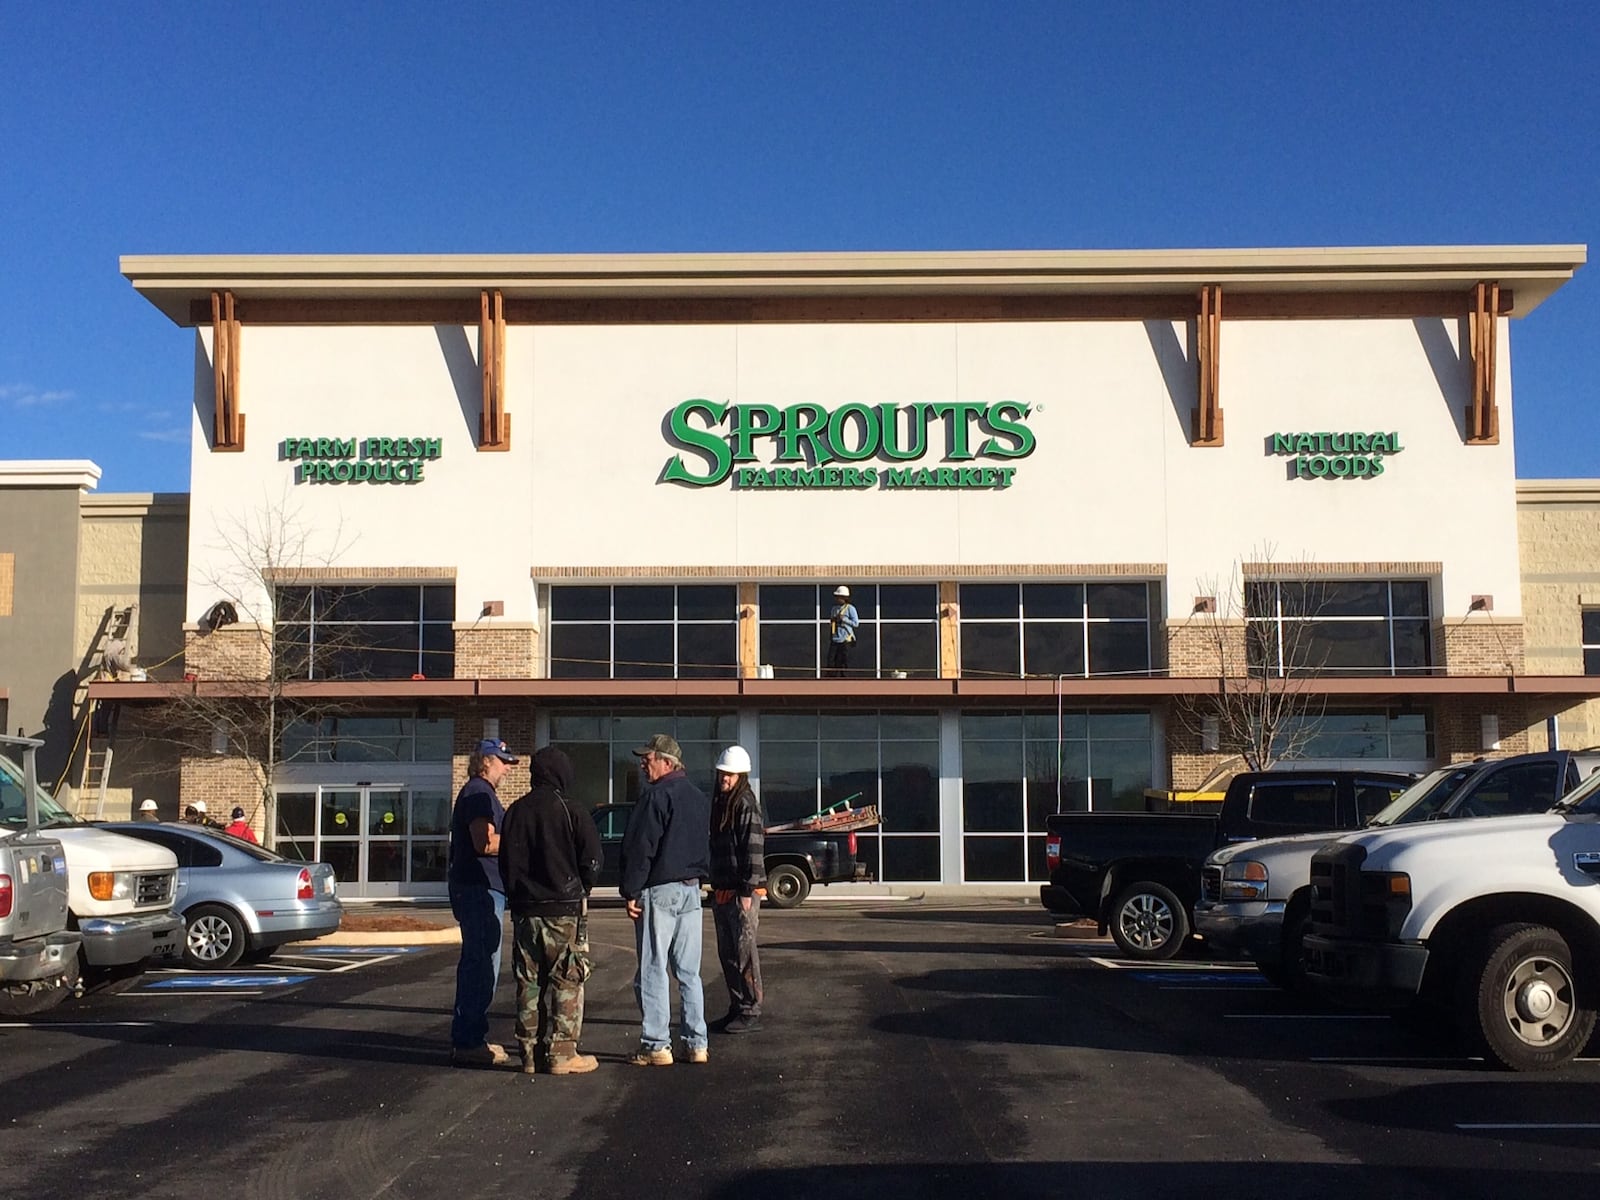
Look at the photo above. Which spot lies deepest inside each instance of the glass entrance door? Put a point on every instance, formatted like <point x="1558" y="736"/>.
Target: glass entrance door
<point x="382" y="839"/>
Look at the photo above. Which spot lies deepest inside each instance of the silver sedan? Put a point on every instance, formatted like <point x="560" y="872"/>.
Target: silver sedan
<point x="238" y="899"/>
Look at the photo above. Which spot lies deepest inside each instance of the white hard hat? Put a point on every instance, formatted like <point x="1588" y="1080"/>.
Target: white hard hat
<point x="199" y="806"/>
<point x="147" y="806"/>
<point x="842" y="592"/>
<point x="735" y="760"/>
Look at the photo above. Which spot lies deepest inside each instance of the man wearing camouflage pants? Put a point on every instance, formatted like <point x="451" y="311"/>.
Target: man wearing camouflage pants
<point x="549" y="858"/>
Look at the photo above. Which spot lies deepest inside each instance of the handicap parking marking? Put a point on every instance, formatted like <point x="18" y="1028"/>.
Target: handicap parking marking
<point x="352" y="951"/>
<point x="208" y="983"/>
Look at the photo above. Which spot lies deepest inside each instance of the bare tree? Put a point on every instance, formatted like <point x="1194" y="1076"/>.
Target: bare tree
<point x="240" y="694"/>
<point x="1259" y="632"/>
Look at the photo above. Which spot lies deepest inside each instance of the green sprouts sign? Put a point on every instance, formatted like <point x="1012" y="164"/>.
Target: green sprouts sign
<point x="345" y="460"/>
<point x="1335" y="455"/>
<point x="852" y="447"/>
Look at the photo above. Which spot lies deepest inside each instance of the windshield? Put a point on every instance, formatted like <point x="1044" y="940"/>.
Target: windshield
<point x="13" y="807"/>
<point x="1425" y="797"/>
<point x="1585" y="798"/>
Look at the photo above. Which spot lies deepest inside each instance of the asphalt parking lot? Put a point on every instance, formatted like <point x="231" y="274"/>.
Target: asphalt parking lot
<point x="909" y="1050"/>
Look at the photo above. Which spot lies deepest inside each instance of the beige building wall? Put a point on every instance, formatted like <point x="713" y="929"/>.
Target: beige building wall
<point x="1558" y="533"/>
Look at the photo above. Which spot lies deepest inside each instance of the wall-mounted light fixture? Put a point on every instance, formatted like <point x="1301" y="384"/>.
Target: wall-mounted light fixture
<point x="491" y="728"/>
<point x="493" y="608"/>
<point x="1205" y="604"/>
<point x="1210" y="734"/>
<point x="1483" y="603"/>
<point x="1489" y="731"/>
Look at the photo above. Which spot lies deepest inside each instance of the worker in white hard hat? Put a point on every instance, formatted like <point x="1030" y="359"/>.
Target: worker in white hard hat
<point x="147" y="811"/>
<point x="842" y="623"/>
<point x="738" y="882"/>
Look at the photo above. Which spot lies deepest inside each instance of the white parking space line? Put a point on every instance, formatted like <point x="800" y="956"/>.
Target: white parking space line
<point x="1527" y="1125"/>
<point x="75" y="1024"/>
<point x="152" y="995"/>
<point x="1392" y="1058"/>
<point x="1115" y="964"/>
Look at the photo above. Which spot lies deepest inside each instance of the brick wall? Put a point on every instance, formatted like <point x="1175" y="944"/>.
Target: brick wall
<point x="497" y="652"/>
<point x="1558" y="534"/>
<point x="221" y="782"/>
<point x="1458" y="727"/>
<point x="516" y="731"/>
<point x="1479" y="646"/>
<point x="1197" y="647"/>
<point x="234" y="652"/>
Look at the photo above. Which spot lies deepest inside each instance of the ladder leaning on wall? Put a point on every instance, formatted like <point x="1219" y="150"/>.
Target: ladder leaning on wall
<point x="108" y="659"/>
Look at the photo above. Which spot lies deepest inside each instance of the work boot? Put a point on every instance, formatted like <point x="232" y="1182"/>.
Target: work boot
<point x="530" y="1059"/>
<point x="742" y="1024"/>
<point x="646" y="1057"/>
<point x="573" y="1064"/>
<point x="486" y="1055"/>
<point x="696" y="1054"/>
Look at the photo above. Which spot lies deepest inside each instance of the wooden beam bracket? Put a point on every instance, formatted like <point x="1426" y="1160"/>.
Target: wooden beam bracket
<point x="494" y="428"/>
<point x="227" y="428"/>
<point x="1207" y="429"/>
<point x="1483" y="417"/>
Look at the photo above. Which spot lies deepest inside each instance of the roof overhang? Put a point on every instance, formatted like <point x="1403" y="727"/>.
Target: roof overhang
<point x="181" y="285"/>
<point x="1566" y="688"/>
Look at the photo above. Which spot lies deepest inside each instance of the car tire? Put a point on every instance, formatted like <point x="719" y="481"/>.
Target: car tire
<point x="214" y="939"/>
<point x="260" y="954"/>
<point x="32" y="998"/>
<point x="1148" y="922"/>
<point x="1519" y="1002"/>
<point x="787" y="886"/>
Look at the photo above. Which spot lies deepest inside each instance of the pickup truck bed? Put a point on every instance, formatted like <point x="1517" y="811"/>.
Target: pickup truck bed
<point x="1138" y="874"/>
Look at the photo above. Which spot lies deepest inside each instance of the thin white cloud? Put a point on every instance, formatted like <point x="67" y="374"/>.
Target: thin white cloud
<point x="177" y="436"/>
<point x="23" y="395"/>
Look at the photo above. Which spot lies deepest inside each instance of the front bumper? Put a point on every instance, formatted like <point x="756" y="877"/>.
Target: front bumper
<point x="120" y="941"/>
<point x="1253" y="928"/>
<point x="316" y="919"/>
<point x="40" y="958"/>
<point x="1375" y="974"/>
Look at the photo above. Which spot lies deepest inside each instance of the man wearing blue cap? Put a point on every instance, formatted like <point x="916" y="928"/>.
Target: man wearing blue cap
<point x="478" y="900"/>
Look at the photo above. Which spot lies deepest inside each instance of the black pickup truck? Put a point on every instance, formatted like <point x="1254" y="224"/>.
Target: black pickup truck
<point x="1138" y="874"/>
<point x="795" y="861"/>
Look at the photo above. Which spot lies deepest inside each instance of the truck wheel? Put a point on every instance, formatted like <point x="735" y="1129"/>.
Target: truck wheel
<point x="214" y="939"/>
<point x="1289" y="971"/>
<point x="1148" y="922"/>
<point x="32" y="998"/>
<point x="1519" y="1002"/>
<point x="787" y="886"/>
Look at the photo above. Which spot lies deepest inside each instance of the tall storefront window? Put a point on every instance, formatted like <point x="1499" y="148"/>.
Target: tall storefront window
<point x="1363" y="626"/>
<point x="813" y="760"/>
<point x="898" y="637"/>
<point x="648" y="631"/>
<point x="365" y="631"/>
<point x="1591" y="641"/>
<point x="382" y="839"/>
<point x="1019" y="768"/>
<point x="601" y="746"/>
<point x="1386" y="733"/>
<point x="1011" y="630"/>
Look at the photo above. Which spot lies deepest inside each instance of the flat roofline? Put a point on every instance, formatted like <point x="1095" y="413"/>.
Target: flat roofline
<point x="49" y="473"/>
<point x="1531" y="273"/>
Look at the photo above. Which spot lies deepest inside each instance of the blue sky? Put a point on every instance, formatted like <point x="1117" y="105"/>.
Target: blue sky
<point x="413" y="128"/>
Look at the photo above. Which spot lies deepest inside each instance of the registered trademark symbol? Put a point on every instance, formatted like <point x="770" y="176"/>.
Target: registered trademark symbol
<point x="1038" y="408"/>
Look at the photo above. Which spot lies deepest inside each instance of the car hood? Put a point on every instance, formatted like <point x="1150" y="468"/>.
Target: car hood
<point x="1396" y="838"/>
<point x="91" y="849"/>
<point x="1265" y="846"/>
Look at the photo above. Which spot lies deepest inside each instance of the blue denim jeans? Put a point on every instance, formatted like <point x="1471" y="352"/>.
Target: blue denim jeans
<point x="668" y="937"/>
<point x="481" y="914"/>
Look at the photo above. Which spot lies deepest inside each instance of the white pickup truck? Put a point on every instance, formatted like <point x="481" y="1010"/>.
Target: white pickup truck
<point x="36" y="947"/>
<point x="119" y="896"/>
<point x="1494" y="923"/>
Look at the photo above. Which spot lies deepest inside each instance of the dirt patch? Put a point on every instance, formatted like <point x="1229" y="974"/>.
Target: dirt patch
<point x="388" y="923"/>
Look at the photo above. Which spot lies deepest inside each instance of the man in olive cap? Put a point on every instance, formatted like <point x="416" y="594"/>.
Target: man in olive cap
<point x="666" y="853"/>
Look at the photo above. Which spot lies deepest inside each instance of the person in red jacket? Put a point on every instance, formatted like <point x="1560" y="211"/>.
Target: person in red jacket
<point x="239" y="827"/>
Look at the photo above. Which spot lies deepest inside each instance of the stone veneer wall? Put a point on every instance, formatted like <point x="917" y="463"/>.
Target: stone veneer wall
<point x="1558" y="534"/>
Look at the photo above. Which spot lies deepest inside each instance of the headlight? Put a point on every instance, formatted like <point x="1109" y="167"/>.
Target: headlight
<point x="110" y="885"/>
<point x="1244" y="879"/>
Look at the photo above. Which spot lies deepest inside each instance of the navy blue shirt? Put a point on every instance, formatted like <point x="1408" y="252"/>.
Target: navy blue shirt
<point x="467" y="867"/>
<point x="668" y="839"/>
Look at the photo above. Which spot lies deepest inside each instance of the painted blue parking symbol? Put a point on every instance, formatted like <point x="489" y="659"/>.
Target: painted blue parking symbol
<point x="187" y="982"/>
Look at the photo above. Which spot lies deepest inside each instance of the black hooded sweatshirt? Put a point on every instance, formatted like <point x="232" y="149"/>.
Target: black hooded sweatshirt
<point x="549" y="848"/>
